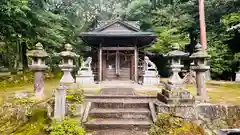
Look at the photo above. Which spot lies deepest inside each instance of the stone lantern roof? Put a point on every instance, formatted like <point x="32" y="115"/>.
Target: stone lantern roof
<point x="176" y="52"/>
<point x="68" y="52"/>
<point x="199" y="52"/>
<point x="39" y="52"/>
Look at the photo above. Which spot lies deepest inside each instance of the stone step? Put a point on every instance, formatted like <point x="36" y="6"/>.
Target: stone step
<point x="121" y="113"/>
<point x="120" y="132"/>
<point x="130" y="98"/>
<point x="100" y="123"/>
<point x="114" y="75"/>
<point x="123" y="104"/>
<point x="121" y="73"/>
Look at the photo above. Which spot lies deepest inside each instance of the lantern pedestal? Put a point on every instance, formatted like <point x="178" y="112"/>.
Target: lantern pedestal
<point x="173" y="92"/>
<point x="175" y="95"/>
<point x="67" y="76"/>
<point x="39" y="83"/>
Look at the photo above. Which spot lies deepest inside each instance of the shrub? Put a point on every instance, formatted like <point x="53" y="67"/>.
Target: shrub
<point x="67" y="127"/>
<point x="75" y="96"/>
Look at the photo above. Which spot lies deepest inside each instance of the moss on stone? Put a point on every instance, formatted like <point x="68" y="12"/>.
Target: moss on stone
<point x="35" y="125"/>
<point x="167" y="124"/>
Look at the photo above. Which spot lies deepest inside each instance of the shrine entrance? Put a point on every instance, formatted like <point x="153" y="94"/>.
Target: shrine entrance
<point x="115" y="46"/>
<point x="118" y="65"/>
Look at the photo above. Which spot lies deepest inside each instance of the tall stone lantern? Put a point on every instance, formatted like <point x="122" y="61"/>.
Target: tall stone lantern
<point x="67" y="79"/>
<point x="38" y="65"/>
<point x="173" y="91"/>
<point x="67" y="64"/>
<point x="199" y="58"/>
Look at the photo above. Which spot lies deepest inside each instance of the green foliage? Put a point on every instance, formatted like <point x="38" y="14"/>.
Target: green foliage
<point x="167" y="124"/>
<point x="231" y="19"/>
<point x="166" y="38"/>
<point x="23" y="116"/>
<point x="66" y="127"/>
<point x="75" y="95"/>
<point x="35" y="125"/>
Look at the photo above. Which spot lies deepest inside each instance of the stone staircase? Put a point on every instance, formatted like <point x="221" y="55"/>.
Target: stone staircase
<point x="124" y="74"/>
<point x="119" y="112"/>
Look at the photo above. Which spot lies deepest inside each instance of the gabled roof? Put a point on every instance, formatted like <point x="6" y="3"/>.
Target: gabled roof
<point x="118" y="32"/>
<point x="122" y="23"/>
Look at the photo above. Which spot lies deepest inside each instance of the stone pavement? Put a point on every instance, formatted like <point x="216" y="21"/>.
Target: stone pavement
<point x="121" y="84"/>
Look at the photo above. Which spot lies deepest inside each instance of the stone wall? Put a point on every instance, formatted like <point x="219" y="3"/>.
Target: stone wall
<point x="211" y="117"/>
<point x="208" y="111"/>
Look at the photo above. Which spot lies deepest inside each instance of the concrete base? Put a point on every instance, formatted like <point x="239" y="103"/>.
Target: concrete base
<point x="237" y="79"/>
<point x="151" y="80"/>
<point x="85" y="77"/>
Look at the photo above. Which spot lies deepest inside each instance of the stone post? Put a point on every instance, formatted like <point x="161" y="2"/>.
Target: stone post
<point x="200" y="67"/>
<point x="38" y="66"/>
<point x="173" y="92"/>
<point x="67" y="79"/>
<point x="60" y="103"/>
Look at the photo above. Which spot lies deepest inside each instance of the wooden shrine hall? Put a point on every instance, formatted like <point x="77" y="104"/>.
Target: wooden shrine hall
<point x="117" y="44"/>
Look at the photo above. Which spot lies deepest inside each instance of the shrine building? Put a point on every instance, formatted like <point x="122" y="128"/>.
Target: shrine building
<point x="116" y="49"/>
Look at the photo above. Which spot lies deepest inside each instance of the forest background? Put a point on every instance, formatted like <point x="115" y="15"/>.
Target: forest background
<point x="23" y="23"/>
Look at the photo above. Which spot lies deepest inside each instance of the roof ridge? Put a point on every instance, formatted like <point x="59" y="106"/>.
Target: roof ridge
<point x="117" y="21"/>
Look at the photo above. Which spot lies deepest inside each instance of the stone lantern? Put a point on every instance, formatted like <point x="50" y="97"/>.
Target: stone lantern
<point x="175" y="57"/>
<point x="38" y="65"/>
<point x="173" y="91"/>
<point x="199" y="58"/>
<point x="67" y="64"/>
<point x="67" y="79"/>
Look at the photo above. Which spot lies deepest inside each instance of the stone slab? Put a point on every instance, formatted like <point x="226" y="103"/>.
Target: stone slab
<point x="117" y="91"/>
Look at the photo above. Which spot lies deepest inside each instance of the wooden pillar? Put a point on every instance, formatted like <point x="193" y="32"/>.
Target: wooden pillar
<point x="136" y="63"/>
<point x="132" y="67"/>
<point x="100" y="64"/>
<point x="202" y="24"/>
